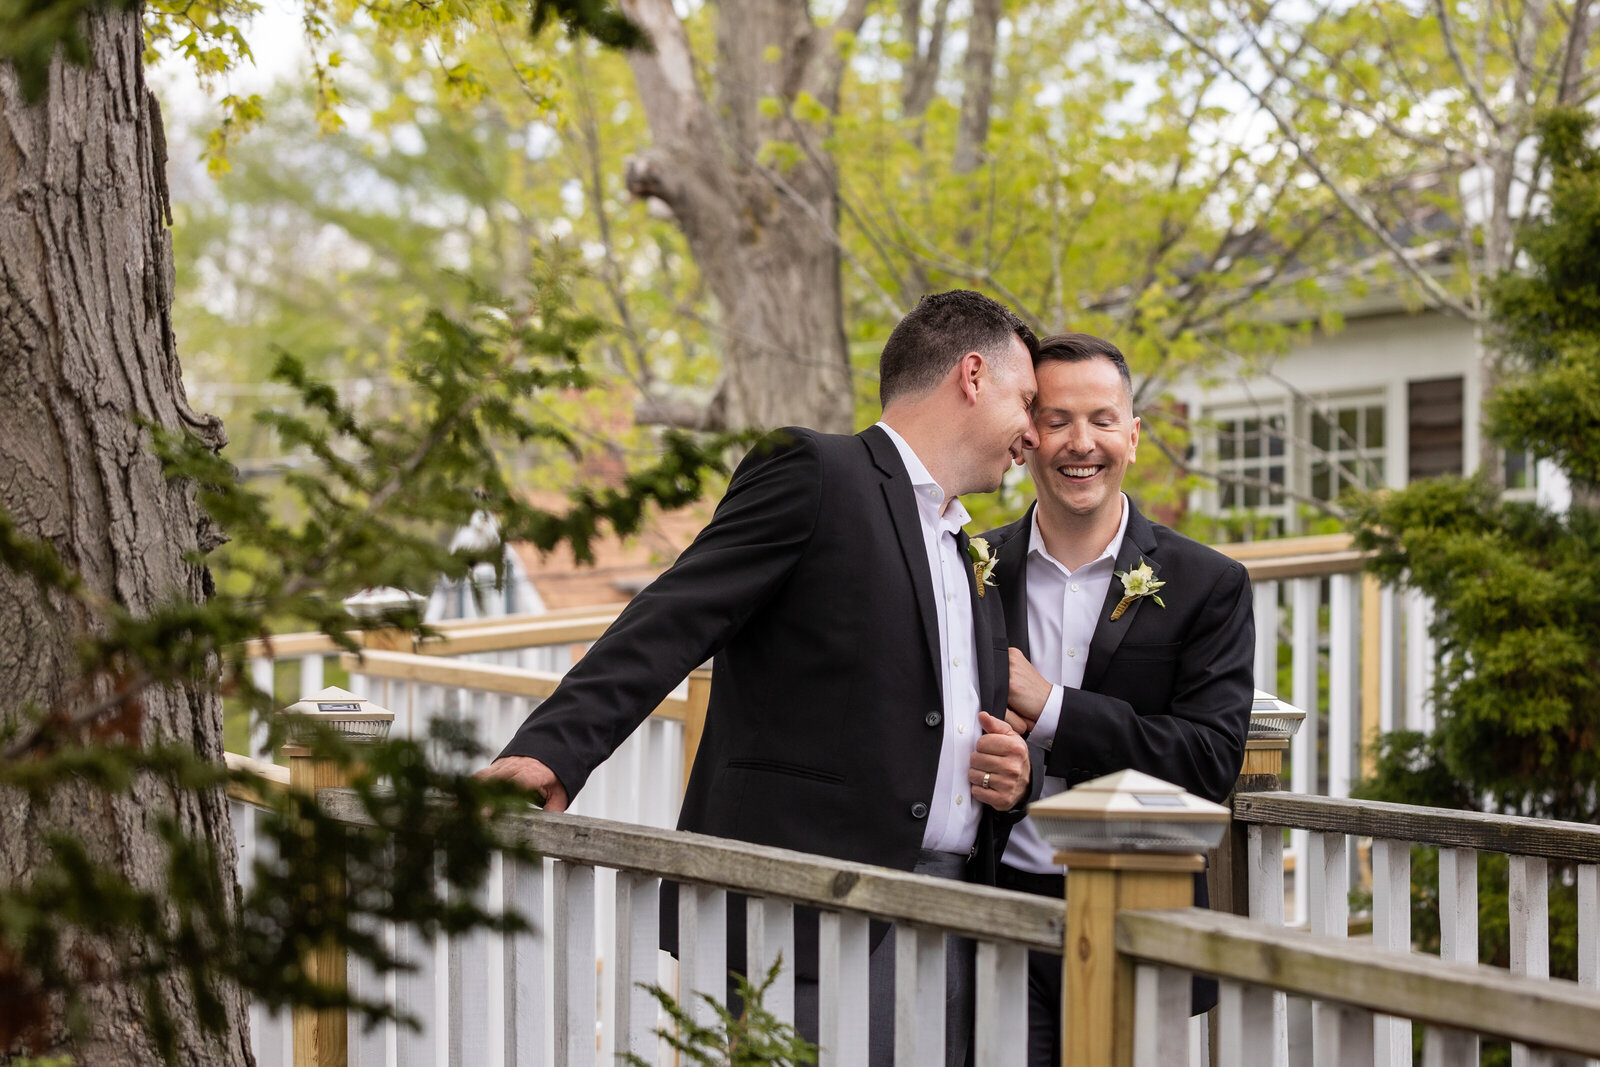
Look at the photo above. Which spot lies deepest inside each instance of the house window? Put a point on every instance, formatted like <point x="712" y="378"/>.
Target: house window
<point x="1346" y="448"/>
<point x="1252" y="463"/>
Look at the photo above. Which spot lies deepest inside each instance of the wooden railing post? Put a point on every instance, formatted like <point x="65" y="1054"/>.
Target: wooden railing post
<point x="320" y="1034"/>
<point x="694" y="718"/>
<point x="1097" y="1024"/>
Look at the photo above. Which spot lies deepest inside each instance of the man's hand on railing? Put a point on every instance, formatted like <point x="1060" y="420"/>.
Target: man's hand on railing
<point x="1000" y="769"/>
<point x="532" y="775"/>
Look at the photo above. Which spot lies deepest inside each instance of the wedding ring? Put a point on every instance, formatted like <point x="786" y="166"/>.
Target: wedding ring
<point x="985" y="782"/>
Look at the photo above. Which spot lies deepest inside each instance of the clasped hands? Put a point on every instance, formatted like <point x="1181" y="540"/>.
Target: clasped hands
<point x="1029" y="694"/>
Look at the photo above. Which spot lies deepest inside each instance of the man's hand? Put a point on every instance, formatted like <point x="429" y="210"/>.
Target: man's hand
<point x="530" y="774"/>
<point x="1002" y="759"/>
<point x="1029" y="693"/>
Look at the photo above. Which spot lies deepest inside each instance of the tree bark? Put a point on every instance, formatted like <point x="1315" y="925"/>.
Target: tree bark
<point x="86" y="347"/>
<point x="763" y="234"/>
<point x="977" y="75"/>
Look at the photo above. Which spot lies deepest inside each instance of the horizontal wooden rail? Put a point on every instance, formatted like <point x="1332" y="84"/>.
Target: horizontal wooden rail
<point x="486" y="677"/>
<point x="270" y="774"/>
<point x="1533" y="1011"/>
<point x="1283" y="547"/>
<point x="1511" y="834"/>
<point x="897" y="896"/>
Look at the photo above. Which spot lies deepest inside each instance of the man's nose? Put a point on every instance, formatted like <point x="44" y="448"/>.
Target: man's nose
<point x="1078" y="439"/>
<point x="1030" y="435"/>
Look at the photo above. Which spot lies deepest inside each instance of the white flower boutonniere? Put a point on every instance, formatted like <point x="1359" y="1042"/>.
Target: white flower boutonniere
<point x="1139" y="582"/>
<point x="983" y="561"/>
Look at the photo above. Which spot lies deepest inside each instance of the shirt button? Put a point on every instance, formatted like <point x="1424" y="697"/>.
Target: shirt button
<point x="1071" y="652"/>
<point x="960" y="800"/>
<point x="933" y="718"/>
<point x="1074" y="587"/>
<point x="919" y="810"/>
<point x="961" y="729"/>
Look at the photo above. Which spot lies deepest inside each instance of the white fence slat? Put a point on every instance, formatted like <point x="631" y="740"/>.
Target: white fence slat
<point x="702" y="949"/>
<point x="1160" y="1016"/>
<point x="1356" y="1029"/>
<point x="572" y="947"/>
<point x="261" y="676"/>
<point x="1391" y="657"/>
<point x="1000" y="1024"/>
<point x="1530" y="929"/>
<point x="638" y="925"/>
<point x="368" y="1045"/>
<point x="1264" y="598"/>
<point x="1266" y="905"/>
<point x="1247" y="1021"/>
<point x="919" y="988"/>
<point x="1344" y="620"/>
<point x="1589" y="925"/>
<point x="468" y="999"/>
<point x="1328" y="860"/>
<point x="311" y="674"/>
<point x="844" y="946"/>
<point x="1391" y="929"/>
<point x="1327" y="877"/>
<point x="416" y="993"/>
<point x="1444" y="1047"/>
<point x="525" y="1021"/>
<point x="769" y="935"/>
<point x="1304" y="769"/>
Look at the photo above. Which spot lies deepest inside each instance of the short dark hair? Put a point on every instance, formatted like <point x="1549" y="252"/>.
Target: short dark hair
<point x="1080" y="347"/>
<point x="936" y="333"/>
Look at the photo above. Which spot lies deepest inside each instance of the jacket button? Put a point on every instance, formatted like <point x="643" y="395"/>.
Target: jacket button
<point x="933" y="718"/>
<point x="919" y="810"/>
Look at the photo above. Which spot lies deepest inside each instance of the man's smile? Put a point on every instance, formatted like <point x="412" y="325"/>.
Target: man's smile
<point x="1081" y="472"/>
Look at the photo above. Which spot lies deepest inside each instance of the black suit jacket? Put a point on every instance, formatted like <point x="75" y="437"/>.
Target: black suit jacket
<point x="1166" y="691"/>
<point x="811" y="588"/>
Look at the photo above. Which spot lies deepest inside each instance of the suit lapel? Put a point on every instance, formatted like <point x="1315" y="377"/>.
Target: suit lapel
<point x="897" y="497"/>
<point x="1138" y="543"/>
<point x="982" y="629"/>
<point x="1012" y="573"/>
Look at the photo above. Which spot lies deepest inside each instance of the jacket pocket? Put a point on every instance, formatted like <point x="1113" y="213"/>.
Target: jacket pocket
<point x="793" y="770"/>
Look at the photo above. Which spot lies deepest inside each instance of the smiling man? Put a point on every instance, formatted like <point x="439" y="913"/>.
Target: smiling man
<point x="1112" y="666"/>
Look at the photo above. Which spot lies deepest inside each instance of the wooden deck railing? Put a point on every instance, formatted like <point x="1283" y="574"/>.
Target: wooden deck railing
<point x="1356" y="989"/>
<point x="1331" y="823"/>
<point x="538" y="997"/>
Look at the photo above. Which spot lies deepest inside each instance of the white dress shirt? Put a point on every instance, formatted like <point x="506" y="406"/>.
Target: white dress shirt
<point x="952" y="813"/>
<point x="1063" y="611"/>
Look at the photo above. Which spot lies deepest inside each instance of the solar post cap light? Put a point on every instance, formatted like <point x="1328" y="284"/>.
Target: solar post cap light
<point x="1129" y="811"/>
<point x="355" y="718"/>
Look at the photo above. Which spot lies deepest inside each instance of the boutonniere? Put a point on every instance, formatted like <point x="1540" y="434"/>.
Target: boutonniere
<point x="1139" y="582"/>
<point x="983" y="561"/>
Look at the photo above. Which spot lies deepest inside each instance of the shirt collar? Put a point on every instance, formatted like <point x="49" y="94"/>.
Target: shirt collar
<point x="929" y="493"/>
<point x="1112" y="550"/>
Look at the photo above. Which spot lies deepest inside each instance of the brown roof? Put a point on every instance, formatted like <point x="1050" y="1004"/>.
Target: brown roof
<point x="621" y="566"/>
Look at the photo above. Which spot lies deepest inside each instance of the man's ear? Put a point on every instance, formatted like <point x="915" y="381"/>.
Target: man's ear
<point x="969" y="370"/>
<point x="1133" y="444"/>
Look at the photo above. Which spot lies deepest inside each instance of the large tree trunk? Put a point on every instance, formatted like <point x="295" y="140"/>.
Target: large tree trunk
<point x="86" y="347"/>
<point x="763" y="235"/>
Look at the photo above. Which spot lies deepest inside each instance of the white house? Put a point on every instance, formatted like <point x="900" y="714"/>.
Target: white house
<point x="1392" y="397"/>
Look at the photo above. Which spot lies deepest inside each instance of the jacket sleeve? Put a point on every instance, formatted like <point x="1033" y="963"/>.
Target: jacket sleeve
<point x="759" y="532"/>
<point x="1198" y="742"/>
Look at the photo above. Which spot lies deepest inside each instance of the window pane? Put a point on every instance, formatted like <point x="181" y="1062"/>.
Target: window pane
<point x="1319" y="432"/>
<point x="1374" y="436"/>
<point x="1517" y="470"/>
<point x="1275" y="475"/>
<point x="1321" y="484"/>
<point x="1225" y="441"/>
<point x="1349" y="431"/>
<point x="1275" y="442"/>
<point x="1228" y="495"/>
<point x="1375" y="477"/>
